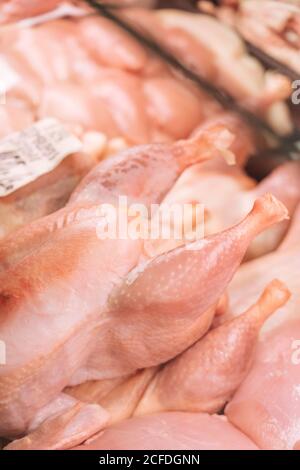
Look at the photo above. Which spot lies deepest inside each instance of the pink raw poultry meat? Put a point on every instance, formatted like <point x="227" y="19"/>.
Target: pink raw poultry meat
<point x="272" y="25"/>
<point x="49" y="81"/>
<point x="213" y="368"/>
<point x="71" y="234"/>
<point x="232" y="66"/>
<point x="208" y="377"/>
<point x="52" y="80"/>
<point x="12" y="10"/>
<point x="119" y="396"/>
<point x="15" y="10"/>
<point x="271" y="419"/>
<point x="37" y="285"/>
<point x="101" y="37"/>
<point x="191" y="265"/>
<point x="49" y="191"/>
<point x="291" y="240"/>
<point x="73" y="230"/>
<point x="73" y="54"/>
<point x="178" y="431"/>
<point x="68" y="422"/>
<point x="238" y="194"/>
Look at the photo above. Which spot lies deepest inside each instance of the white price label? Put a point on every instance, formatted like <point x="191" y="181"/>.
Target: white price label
<point x="26" y="155"/>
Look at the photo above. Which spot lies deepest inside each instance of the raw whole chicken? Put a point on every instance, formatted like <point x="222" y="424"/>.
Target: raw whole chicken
<point x="12" y="10"/>
<point x="272" y="25"/>
<point x="207" y="379"/>
<point x="124" y="89"/>
<point x="132" y="343"/>
<point x="53" y="431"/>
<point x="178" y="431"/>
<point x="15" y="10"/>
<point x="238" y="195"/>
<point x="113" y="105"/>
<point x="64" y="68"/>
<point x="86" y="215"/>
<point x="271" y="419"/>
<point x="111" y="319"/>
<point x="264" y="93"/>
<point x="85" y="56"/>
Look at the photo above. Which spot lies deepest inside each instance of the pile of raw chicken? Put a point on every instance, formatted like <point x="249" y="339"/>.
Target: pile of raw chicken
<point x="132" y="344"/>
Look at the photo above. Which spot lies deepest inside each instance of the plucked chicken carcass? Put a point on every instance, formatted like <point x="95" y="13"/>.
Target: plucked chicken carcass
<point x="264" y="93"/>
<point x="16" y="10"/>
<point x="64" y="69"/>
<point x="86" y="215"/>
<point x="271" y="419"/>
<point x="114" y="107"/>
<point x="37" y="376"/>
<point x="131" y="343"/>
<point x="273" y="26"/>
<point x="275" y="368"/>
<point x="207" y="377"/>
<point x="121" y="87"/>
<point x="12" y="10"/>
<point x="172" y="431"/>
<point x="86" y="58"/>
<point x="238" y="195"/>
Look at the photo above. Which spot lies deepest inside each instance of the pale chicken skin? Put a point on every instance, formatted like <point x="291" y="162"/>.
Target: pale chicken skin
<point x="272" y="25"/>
<point x="100" y="331"/>
<point x="172" y="107"/>
<point x="129" y="95"/>
<point x="71" y="74"/>
<point x="209" y="372"/>
<point x="12" y="10"/>
<point x="238" y="194"/>
<point x="33" y="440"/>
<point x="213" y="368"/>
<point x="178" y="431"/>
<point x="106" y="320"/>
<point x="263" y="94"/>
<point x="20" y="252"/>
<point x="16" y="10"/>
<point x="271" y="419"/>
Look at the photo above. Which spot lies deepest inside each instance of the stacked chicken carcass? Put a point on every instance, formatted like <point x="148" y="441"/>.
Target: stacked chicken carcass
<point x="146" y="344"/>
<point x="269" y="24"/>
